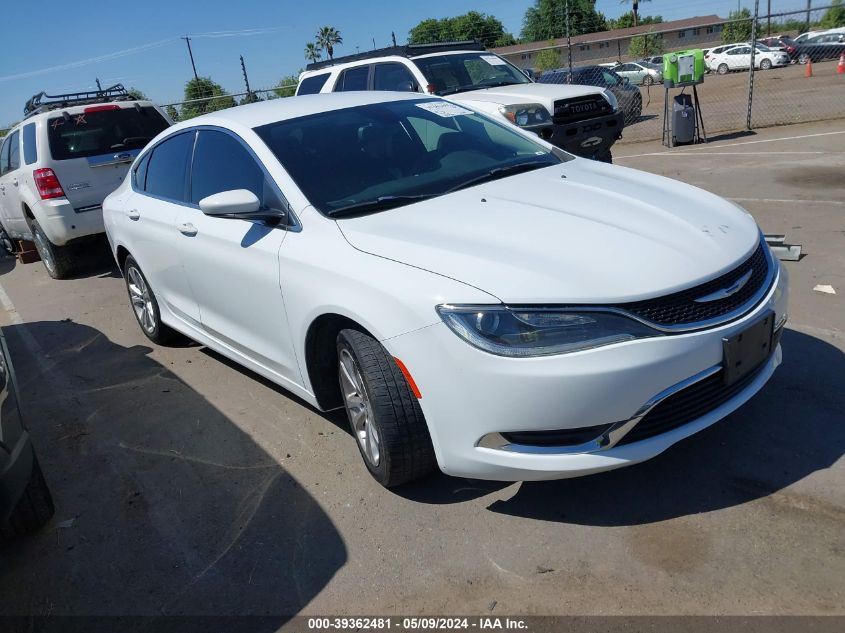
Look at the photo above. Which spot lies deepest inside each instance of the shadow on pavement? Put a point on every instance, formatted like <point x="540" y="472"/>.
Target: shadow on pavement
<point x="791" y="429"/>
<point x="164" y="506"/>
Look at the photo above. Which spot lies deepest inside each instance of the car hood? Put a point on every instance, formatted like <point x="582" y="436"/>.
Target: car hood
<point x="580" y="232"/>
<point x="545" y="94"/>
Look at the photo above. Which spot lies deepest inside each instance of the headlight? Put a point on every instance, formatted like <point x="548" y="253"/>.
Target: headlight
<point x="525" y="332"/>
<point x="611" y="99"/>
<point x="526" y="114"/>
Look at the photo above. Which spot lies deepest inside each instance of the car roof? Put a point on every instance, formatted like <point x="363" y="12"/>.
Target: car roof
<point x="264" y="112"/>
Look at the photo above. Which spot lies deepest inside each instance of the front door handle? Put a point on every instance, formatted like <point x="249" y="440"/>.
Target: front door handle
<point x="187" y="229"/>
<point x="133" y="214"/>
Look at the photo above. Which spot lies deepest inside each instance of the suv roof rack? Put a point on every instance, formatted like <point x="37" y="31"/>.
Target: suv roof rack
<point x="42" y="102"/>
<point x="408" y="50"/>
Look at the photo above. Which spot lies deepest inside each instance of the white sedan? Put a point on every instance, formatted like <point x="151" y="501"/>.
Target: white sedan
<point x="739" y="58"/>
<point x="401" y="256"/>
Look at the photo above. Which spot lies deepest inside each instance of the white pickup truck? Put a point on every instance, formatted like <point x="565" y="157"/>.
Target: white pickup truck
<point x="583" y="120"/>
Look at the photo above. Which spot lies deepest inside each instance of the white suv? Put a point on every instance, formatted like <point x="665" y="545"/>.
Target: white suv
<point x="59" y="163"/>
<point x="584" y="120"/>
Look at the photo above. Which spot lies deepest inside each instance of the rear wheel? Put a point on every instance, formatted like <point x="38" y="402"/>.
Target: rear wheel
<point x="58" y="260"/>
<point x="722" y="69"/>
<point x="6" y="242"/>
<point x="34" y="508"/>
<point x="765" y="64"/>
<point x="145" y="305"/>
<point x="803" y="58"/>
<point x="384" y="414"/>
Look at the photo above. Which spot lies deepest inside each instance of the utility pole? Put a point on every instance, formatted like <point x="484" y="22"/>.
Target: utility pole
<point x="809" y="6"/>
<point x="393" y="35"/>
<point x="769" y="17"/>
<point x="191" y="55"/>
<point x="374" y="43"/>
<point x="99" y="87"/>
<point x="568" y="40"/>
<point x="246" y="81"/>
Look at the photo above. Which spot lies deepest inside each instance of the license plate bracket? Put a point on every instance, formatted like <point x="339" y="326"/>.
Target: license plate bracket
<point x="746" y="350"/>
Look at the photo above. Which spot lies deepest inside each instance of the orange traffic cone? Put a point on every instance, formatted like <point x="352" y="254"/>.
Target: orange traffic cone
<point x="841" y="68"/>
<point x="808" y="71"/>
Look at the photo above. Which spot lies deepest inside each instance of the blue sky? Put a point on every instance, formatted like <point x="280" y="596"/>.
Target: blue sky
<point x="66" y="45"/>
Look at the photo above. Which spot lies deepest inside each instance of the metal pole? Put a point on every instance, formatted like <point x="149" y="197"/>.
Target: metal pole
<point x="99" y="87"/>
<point x="809" y="6"/>
<point x="191" y="55"/>
<point x="568" y="39"/>
<point x="769" y="17"/>
<point x="753" y="58"/>
<point x="246" y="81"/>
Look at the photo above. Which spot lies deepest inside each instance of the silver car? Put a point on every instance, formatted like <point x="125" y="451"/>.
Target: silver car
<point x="640" y="73"/>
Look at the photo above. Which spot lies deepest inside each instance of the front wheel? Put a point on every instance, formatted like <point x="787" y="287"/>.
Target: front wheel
<point x="145" y="304"/>
<point x="384" y="413"/>
<point x="58" y="260"/>
<point x="33" y="509"/>
<point x="803" y="58"/>
<point x="766" y="64"/>
<point x="722" y="69"/>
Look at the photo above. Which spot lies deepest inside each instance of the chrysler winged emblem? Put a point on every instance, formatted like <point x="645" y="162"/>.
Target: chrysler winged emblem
<point x="724" y="293"/>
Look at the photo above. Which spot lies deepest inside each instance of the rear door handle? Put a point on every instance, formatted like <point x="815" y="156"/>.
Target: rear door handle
<point x="187" y="229"/>
<point x="134" y="214"/>
<point x="15" y="181"/>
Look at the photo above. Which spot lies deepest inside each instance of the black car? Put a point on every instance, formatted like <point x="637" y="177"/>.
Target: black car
<point x="820" y="47"/>
<point x="629" y="97"/>
<point x="25" y="501"/>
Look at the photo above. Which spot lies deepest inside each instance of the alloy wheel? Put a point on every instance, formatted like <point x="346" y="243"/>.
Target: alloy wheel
<point x="141" y="299"/>
<point x="358" y="408"/>
<point x="44" y="251"/>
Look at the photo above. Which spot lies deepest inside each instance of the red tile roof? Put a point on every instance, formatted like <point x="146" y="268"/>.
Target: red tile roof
<point x="616" y="34"/>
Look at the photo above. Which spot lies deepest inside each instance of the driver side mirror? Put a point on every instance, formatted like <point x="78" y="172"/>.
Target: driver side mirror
<point x="406" y="86"/>
<point x="238" y="204"/>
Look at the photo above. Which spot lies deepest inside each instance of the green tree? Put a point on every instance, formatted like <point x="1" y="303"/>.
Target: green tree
<point x="328" y="37"/>
<point x="635" y="8"/>
<point x="834" y="16"/>
<point x="286" y="86"/>
<point x="646" y="45"/>
<point x="172" y="112"/>
<point x="469" y="26"/>
<point x="626" y="20"/>
<point x="137" y="94"/>
<point x="547" y="19"/>
<point x="212" y="96"/>
<point x="313" y="52"/>
<point x="739" y="29"/>
<point x="547" y="59"/>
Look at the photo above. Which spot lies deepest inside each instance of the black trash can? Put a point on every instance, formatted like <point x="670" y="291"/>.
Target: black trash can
<point x="683" y="120"/>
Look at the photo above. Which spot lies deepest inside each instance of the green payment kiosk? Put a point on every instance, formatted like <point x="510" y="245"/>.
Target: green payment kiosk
<point x="685" y="123"/>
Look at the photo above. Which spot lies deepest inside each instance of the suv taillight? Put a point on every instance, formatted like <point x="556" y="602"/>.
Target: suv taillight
<point x="47" y="183"/>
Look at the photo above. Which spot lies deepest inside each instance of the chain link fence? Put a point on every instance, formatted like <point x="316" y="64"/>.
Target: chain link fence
<point x="184" y="110"/>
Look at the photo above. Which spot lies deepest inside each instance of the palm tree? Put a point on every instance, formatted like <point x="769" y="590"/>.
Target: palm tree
<point x="635" y="7"/>
<point x="327" y="37"/>
<point x="312" y="52"/>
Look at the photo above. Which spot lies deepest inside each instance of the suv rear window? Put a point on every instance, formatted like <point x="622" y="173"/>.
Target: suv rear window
<point x="102" y="131"/>
<point x="312" y="85"/>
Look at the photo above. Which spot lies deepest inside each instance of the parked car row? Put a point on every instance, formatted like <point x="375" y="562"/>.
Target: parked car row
<point x="394" y="248"/>
<point x="627" y="95"/>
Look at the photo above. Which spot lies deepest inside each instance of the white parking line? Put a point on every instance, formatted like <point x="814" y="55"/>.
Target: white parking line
<point x="704" y="146"/>
<point x="788" y="201"/>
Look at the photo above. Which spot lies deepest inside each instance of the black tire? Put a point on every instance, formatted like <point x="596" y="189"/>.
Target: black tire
<point x="604" y="157"/>
<point x="405" y="449"/>
<point x="33" y="510"/>
<point x="6" y="242"/>
<point x="765" y="64"/>
<point x="58" y="260"/>
<point x="153" y="328"/>
<point x="722" y="69"/>
<point x="803" y="58"/>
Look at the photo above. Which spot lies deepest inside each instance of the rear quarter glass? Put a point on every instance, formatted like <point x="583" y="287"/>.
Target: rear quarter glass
<point x="102" y="132"/>
<point x="313" y="84"/>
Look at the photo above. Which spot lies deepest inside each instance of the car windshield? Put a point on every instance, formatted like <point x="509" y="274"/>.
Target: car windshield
<point x="373" y="157"/>
<point x="102" y="130"/>
<point x="459" y="72"/>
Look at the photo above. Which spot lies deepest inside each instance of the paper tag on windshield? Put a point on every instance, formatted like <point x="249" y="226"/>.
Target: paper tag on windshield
<point x="493" y="60"/>
<point x="444" y="109"/>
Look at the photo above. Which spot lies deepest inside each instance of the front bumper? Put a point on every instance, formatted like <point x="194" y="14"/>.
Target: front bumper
<point x="589" y="138"/>
<point x="468" y="394"/>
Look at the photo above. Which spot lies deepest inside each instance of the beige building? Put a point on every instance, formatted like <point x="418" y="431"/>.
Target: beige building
<point x="606" y="46"/>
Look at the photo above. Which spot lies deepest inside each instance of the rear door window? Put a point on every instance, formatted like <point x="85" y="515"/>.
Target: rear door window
<point x="353" y="79"/>
<point x="4" y="156"/>
<point x="102" y="131"/>
<point x="15" y="151"/>
<point x="168" y="167"/>
<point x="30" y="151"/>
<point x="312" y="85"/>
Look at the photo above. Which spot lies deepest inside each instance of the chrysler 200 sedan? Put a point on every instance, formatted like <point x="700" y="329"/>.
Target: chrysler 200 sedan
<point x="476" y="299"/>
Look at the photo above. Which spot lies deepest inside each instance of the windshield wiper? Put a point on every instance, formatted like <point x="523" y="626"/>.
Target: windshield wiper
<point x="451" y="91"/>
<point x="501" y="172"/>
<point x="382" y="203"/>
